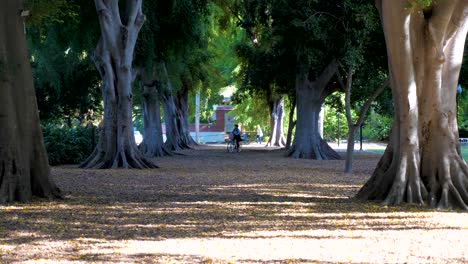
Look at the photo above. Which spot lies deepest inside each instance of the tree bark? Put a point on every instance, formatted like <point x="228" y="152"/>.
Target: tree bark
<point x="310" y="95"/>
<point x="425" y="52"/>
<point x="181" y="102"/>
<point x="113" y="57"/>
<point x="276" y="122"/>
<point x="24" y="166"/>
<point x="174" y="141"/>
<point x="292" y="123"/>
<point x="152" y="144"/>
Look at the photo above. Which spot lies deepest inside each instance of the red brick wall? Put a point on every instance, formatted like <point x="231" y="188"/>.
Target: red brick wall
<point x="218" y="126"/>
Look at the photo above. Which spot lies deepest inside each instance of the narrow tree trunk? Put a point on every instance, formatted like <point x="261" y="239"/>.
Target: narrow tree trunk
<point x="24" y="167"/>
<point x="197" y="117"/>
<point x="113" y="58"/>
<point x="352" y="127"/>
<point x="350" y="149"/>
<point x="421" y="163"/>
<point x="152" y="144"/>
<point x="292" y="123"/>
<point x="276" y="122"/>
<point x="309" y="97"/>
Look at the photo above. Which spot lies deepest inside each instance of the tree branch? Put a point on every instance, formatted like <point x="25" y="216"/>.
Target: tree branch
<point x="438" y="23"/>
<point x="347" y="88"/>
<point x="340" y="79"/>
<point x="456" y="21"/>
<point x="371" y="99"/>
<point x="135" y="15"/>
<point x="103" y="13"/>
<point x="378" y="5"/>
<point x="328" y="73"/>
<point x="115" y="10"/>
<point x="240" y="22"/>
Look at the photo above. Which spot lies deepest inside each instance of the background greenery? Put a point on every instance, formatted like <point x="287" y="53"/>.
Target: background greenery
<point x="68" y="145"/>
<point x="210" y="45"/>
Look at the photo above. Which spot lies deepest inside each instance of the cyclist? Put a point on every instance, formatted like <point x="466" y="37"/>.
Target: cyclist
<point x="236" y="135"/>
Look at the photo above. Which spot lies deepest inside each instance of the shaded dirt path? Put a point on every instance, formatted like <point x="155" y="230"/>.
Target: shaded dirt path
<point x="210" y="206"/>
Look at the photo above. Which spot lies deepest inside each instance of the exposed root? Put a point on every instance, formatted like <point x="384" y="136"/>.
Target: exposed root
<point x="321" y="151"/>
<point x="154" y="152"/>
<point x="176" y="145"/>
<point x="123" y="159"/>
<point x="453" y="193"/>
<point x="406" y="185"/>
<point x="444" y="185"/>
<point x="377" y="187"/>
<point x="18" y="182"/>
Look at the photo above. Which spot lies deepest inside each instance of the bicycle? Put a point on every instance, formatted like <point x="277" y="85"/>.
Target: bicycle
<point x="232" y="146"/>
<point x="245" y="139"/>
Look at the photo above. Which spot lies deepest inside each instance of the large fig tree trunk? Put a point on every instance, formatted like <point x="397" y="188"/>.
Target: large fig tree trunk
<point x="310" y="95"/>
<point x="276" y="122"/>
<point x="113" y="57"/>
<point x="152" y="144"/>
<point x="182" y="116"/>
<point x="422" y="163"/>
<point x="174" y="141"/>
<point x="24" y="167"/>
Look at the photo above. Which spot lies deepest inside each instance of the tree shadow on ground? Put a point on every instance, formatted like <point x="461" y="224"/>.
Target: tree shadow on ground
<point x="200" y="195"/>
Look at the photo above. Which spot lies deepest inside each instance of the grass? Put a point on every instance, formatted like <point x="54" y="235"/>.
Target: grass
<point x="464" y="151"/>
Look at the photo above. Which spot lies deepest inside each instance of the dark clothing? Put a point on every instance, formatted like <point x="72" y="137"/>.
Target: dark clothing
<point x="236" y="132"/>
<point x="236" y="135"/>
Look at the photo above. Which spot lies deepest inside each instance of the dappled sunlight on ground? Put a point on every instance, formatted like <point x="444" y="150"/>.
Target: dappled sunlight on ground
<point x="197" y="209"/>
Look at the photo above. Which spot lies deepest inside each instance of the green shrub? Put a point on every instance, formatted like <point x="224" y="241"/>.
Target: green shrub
<point x="330" y="125"/>
<point x="377" y="128"/>
<point x="67" y="145"/>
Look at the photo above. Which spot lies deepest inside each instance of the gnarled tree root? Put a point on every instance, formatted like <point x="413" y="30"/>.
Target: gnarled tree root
<point x="321" y="151"/>
<point x="122" y="159"/>
<point x="443" y="186"/>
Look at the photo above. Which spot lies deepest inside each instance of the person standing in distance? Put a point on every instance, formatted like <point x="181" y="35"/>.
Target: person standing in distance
<point x="259" y="138"/>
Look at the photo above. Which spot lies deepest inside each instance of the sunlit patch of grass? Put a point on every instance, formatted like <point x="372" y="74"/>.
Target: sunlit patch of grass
<point x="376" y="150"/>
<point x="464" y="152"/>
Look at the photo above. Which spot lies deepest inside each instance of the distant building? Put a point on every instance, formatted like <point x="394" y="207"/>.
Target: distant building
<point x="218" y="131"/>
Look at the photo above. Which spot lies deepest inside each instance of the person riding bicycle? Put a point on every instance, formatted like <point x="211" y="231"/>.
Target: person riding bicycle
<point x="236" y="135"/>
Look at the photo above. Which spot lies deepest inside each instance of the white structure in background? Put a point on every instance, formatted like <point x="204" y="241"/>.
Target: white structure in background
<point x="138" y="136"/>
<point x="197" y="117"/>
<point x="320" y="121"/>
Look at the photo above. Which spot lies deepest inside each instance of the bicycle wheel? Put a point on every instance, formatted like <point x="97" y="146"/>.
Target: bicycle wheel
<point x="231" y="146"/>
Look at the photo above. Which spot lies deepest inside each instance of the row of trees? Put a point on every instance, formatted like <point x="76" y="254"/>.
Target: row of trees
<point x="305" y="50"/>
